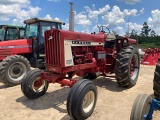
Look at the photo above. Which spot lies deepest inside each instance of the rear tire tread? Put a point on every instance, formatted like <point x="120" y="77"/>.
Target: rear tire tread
<point x="156" y="82"/>
<point x="122" y="66"/>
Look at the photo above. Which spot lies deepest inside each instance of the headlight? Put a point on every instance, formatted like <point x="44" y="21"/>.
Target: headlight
<point x="125" y="41"/>
<point x="119" y="41"/>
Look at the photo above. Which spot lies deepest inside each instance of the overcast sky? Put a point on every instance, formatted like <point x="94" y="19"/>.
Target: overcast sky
<point x="116" y="14"/>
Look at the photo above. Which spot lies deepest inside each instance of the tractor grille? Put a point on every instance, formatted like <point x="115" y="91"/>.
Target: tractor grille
<point x="52" y="47"/>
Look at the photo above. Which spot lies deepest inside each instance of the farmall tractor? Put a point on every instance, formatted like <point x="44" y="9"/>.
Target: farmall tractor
<point x="87" y="55"/>
<point x="18" y="55"/>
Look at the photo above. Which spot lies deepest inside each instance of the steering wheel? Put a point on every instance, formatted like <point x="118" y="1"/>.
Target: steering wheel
<point x="101" y="29"/>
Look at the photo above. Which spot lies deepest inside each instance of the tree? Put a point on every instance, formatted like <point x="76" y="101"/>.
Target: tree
<point x="145" y="30"/>
<point x="152" y="33"/>
<point x="133" y="34"/>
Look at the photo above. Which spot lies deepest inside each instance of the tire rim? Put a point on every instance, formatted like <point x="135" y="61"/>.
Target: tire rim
<point x="17" y="71"/>
<point x="37" y="85"/>
<point x="134" y="67"/>
<point x="88" y="101"/>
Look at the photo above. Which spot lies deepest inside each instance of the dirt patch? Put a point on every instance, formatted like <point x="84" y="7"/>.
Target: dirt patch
<point x="114" y="102"/>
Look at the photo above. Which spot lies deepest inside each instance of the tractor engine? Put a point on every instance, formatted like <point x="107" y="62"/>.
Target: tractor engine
<point x="74" y="50"/>
<point x="85" y="54"/>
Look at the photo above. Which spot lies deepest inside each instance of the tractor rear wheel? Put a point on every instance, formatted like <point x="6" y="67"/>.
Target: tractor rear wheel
<point x="127" y="66"/>
<point x="156" y="82"/>
<point x="13" y="69"/>
<point x="141" y="107"/>
<point x="32" y="87"/>
<point x="82" y="99"/>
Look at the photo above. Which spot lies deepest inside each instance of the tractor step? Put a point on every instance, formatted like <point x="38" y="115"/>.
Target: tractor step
<point x="108" y="64"/>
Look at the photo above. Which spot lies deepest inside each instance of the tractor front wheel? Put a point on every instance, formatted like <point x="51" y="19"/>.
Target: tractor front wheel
<point x="141" y="107"/>
<point x="13" y="69"/>
<point x="31" y="85"/>
<point x="82" y="99"/>
<point x="127" y="66"/>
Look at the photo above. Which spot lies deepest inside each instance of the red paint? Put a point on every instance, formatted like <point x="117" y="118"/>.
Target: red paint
<point x="21" y="46"/>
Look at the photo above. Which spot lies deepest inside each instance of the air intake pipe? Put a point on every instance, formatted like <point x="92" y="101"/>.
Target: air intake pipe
<point x="71" y="17"/>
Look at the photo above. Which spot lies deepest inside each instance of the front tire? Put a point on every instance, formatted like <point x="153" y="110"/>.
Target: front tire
<point x="141" y="107"/>
<point x="127" y="66"/>
<point x="13" y="69"/>
<point x="82" y="99"/>
<point x="31" y="85"/>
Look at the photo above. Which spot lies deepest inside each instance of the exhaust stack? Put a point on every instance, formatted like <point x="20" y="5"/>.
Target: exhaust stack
<point x="71" y="17"/>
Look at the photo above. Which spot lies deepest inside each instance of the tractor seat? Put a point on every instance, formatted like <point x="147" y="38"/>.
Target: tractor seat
<point x="110" y="37"/>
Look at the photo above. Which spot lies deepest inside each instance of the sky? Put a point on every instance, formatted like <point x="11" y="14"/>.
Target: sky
<point x="120" y="16"/>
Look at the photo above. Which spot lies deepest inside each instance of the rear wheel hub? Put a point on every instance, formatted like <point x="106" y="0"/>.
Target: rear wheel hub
<point x="16" y="70"/>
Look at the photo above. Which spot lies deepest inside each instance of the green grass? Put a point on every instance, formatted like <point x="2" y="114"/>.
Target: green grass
<point x="149" y="45"/>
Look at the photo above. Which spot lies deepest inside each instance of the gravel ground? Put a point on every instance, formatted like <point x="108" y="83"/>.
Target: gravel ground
<point x="113" y="103"/>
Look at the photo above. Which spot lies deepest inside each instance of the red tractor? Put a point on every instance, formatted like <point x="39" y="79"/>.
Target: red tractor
<point x="87" y="55"/>
<point x="18" y="55"/>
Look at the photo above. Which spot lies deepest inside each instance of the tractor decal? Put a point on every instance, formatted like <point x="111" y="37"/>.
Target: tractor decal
<point x="81" y="42"/>
<point x="21" y="46"/>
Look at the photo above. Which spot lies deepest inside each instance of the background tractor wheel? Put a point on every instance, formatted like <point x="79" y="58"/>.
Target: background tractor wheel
<point x="31" y="85"/>
<point x="140" y="107"/>
<point x="127" y="66"/>
<point x="13" y="69"/>
<point x="156" y="82"/>
<point x="82" y="99"/>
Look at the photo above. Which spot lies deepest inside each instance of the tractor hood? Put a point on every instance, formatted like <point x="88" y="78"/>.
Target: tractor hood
<point x="21" y="46"/>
